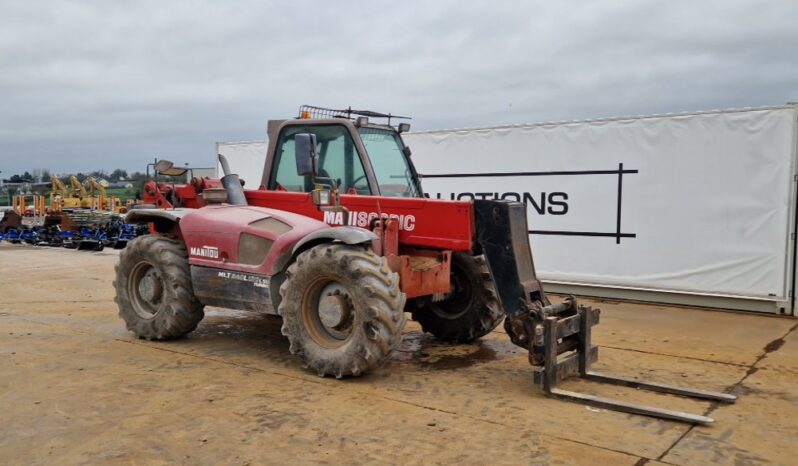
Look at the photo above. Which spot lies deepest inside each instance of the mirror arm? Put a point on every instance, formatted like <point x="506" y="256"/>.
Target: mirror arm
<point x="333" y="183"/>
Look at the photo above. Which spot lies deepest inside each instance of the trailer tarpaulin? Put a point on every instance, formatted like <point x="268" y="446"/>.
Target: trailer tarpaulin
<point x="696" y="203"/>
<point x="246" y="159"/>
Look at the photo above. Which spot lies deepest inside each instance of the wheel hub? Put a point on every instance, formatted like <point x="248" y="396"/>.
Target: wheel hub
<point x="151" y="287"/>
<point x="336" y="310"/>
<point x="146" y="289"/>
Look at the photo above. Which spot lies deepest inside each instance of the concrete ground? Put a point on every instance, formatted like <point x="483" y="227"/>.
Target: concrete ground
<point x="76" y="388"/>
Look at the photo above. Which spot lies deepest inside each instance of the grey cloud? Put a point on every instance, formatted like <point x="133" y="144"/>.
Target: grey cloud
<point x="86" y="85"/>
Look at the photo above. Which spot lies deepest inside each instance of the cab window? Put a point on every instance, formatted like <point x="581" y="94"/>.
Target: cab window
<point x="338" y="160"/>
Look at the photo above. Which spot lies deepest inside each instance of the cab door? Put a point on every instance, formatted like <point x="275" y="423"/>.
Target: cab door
<point x="339" y="161"/>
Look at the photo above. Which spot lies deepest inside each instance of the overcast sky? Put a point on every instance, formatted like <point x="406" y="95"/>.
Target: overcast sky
<point x="87" y="85"/>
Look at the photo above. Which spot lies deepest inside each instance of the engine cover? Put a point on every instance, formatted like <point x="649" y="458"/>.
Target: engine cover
<point x="243" y="238"/>
<point x="235" y="250"/>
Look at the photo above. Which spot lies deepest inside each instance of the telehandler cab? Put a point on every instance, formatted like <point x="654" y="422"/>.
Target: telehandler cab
<point x="340" y="241"/>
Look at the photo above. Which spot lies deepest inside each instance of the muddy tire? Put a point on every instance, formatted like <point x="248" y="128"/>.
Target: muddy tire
<point x="153" y="289"/>
<point x="342" y="309"/>
<point x="471" y="311"/>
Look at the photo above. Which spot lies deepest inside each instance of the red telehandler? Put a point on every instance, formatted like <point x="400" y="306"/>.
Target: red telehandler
<point x="340" y="241"/>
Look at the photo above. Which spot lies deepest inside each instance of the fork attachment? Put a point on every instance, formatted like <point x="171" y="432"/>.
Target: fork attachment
<point x="557" y="336"/>
<point x="560" y="362"/>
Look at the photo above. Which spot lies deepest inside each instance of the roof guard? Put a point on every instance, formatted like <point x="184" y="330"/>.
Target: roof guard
<point x="310" y="111"/>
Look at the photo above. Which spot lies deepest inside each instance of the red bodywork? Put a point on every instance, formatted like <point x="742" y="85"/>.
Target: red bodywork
<point x="416" y="235"/>
<point x="190" y="195"/>
<point x="220" y="227"/>
<point x="423" y="223"/>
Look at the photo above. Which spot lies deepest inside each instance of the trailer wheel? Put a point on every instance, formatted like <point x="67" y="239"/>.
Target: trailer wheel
<point x="470" y="311"/>
<point x="342" y="309"/>
<point x="153" y="289"/>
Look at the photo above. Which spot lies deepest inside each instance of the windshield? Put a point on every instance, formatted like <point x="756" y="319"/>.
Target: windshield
<point x="390" y="166"/>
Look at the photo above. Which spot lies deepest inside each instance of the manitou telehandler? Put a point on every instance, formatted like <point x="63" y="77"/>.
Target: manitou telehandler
<point x="340" y="241"/>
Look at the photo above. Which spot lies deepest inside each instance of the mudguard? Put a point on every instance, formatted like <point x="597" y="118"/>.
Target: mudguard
<point x="153" y="215"/>
<point x="163" y="221"/>
<point x="345" y="234"/>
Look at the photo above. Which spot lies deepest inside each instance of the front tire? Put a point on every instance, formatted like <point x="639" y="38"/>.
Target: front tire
<point x="470" y="311"/>
<point x="153" y="289"/>
<point x="342" y="309"/>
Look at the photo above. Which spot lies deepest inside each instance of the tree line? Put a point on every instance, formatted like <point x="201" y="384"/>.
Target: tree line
<point x="40" y="182"/>
<point x="43" y="175"/>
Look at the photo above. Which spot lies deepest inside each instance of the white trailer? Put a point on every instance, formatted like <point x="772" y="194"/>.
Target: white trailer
<point x="694" y="208"/>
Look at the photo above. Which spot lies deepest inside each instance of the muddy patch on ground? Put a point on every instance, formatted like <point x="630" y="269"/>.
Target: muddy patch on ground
<point x="428" y="353"/>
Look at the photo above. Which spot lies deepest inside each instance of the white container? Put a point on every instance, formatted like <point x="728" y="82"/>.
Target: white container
<point x="695" y="208"/>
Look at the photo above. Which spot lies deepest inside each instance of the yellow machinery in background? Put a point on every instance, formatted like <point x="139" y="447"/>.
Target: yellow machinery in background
<point x="89" y="195"/>
<point x="97" y="194"/>
<point x="78" y="191"/>
<point x="60" y="197"/>
<point x="100" y="199"/>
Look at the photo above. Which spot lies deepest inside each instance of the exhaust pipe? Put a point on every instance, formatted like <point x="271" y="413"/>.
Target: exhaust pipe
<point x="232" y="184"/>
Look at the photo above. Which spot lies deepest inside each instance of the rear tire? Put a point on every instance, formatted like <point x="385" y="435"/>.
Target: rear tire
<point x="342" y="309"/>
<point x="471" y="311"/>
<point x="153" y="289"/>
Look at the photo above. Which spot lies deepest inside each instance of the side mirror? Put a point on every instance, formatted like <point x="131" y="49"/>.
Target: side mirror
<point x="305" y="152"/>
<point x="166" y="167"/>
<point x="163" y="165"/>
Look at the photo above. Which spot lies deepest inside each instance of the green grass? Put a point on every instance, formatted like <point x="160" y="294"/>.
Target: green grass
<point x="122" y="193"/>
